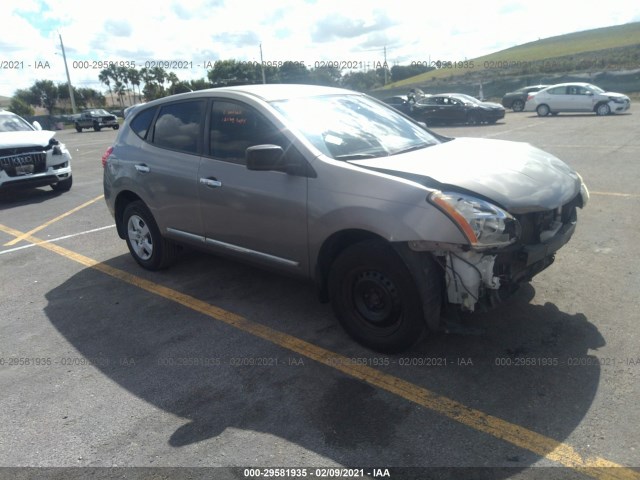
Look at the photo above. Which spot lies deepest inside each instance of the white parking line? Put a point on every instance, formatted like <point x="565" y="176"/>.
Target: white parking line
<point x="2" y="252"/>
<point x="529" y="125"/>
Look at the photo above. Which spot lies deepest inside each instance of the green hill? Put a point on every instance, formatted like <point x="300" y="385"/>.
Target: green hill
<point x="601" y="49"/>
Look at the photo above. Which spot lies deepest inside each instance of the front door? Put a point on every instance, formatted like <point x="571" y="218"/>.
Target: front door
<point x="259" y="215"/>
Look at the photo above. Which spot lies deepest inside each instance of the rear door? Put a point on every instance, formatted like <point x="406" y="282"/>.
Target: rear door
<point x="165" y="168"/>
<point x="558" y="99"/>
<point x="259" y="215"/>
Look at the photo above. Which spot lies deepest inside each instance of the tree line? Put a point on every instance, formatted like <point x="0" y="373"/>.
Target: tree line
<point x="127" y="86"/>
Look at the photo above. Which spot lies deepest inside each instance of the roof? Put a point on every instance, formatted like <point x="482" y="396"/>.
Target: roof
<point x="266" y="92"/>
<point x="278" y="91"/>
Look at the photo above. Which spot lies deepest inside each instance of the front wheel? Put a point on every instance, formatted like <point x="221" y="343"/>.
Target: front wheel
<point x="603" y="109"/>
<point x="543" y="110"/>
<point x="147" y="246"/>
<point x="375" y="297"/>
<point x="116" y="127"/>
<point x="63" y="185"/>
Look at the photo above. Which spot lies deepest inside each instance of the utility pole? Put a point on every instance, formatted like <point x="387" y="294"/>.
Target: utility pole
<point x="73" y="100"/>
<point x="264" y="80"/>
<point x="385" y="65"/>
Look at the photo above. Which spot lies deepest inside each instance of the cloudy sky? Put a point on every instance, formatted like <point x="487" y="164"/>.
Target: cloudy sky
<point x="202" y="31"/>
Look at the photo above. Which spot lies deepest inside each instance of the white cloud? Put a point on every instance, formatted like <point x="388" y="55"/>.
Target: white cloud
<point x="199" y="31"/>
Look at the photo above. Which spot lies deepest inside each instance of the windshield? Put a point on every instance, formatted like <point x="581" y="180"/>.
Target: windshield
<point x="348" y="127"/>
<point x="98" y="112"/>
<point x="595" y="89"/>
<point x="466" y="98"/>
<point x="14" y="123"/>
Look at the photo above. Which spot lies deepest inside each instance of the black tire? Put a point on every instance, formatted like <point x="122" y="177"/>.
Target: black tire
<point x="543" y="110"/>
<point x="63" y="185"/>
<point x="375" y="297"/>
<point x="116" y="127"/>
<point x="96" y="127"/>
<point x="146" y="245"/>
<point x="517" y="106"/>
<point x="602" y="110"/>
<point x="473" y="118"/>
<point x="78" y="128"/>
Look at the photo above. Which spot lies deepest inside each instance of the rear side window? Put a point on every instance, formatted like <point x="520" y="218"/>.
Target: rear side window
<point x="557" y="91"/>
<point x="141" y="124"/>
<point x="178" y="126"/>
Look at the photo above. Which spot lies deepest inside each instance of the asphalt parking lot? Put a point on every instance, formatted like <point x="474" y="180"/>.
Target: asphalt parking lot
<point x="216" y="364"/>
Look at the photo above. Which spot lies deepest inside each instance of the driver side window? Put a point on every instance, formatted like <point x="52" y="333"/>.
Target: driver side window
<point x="234" y="127"/>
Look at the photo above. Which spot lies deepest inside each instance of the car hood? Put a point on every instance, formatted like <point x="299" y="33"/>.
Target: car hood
<point x="614" y="94"/>
<point x="25" y="139"/>
<point x="514" y="175"/>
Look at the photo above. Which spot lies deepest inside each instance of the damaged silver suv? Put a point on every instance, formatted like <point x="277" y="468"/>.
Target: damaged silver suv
<point x="393" y="222"/>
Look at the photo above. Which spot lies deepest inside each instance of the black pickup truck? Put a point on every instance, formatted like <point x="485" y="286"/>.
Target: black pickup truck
<point x="96" y="118"/>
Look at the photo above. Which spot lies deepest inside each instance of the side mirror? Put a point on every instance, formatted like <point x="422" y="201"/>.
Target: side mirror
<point x="264" y="157"/>
<point x="272" y="157"/>
<point x="37" y="125"/>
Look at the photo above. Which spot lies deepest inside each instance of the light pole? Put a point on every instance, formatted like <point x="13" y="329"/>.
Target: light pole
<point x="73" y="100"/>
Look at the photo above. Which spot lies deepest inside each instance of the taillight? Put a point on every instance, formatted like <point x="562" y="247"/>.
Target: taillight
<point x="529" y="97"/>
<point x="106" y="156"/>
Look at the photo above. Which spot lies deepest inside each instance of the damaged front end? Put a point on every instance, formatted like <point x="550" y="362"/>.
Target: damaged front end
<point x="504" y="249"/>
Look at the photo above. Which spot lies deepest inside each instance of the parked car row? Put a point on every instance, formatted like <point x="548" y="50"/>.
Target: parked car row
<point x="447" y="108"/>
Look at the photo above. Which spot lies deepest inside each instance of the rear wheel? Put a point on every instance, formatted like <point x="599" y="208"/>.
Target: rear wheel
<point x="147" y="246"/>
<point x="96" y="127"/>
<point x="375" y="297"/>
<point x="543" y="110"/>
<point x="603" y="109"/>
<point x="517" y="105"/>
<point x="78" y="128"/>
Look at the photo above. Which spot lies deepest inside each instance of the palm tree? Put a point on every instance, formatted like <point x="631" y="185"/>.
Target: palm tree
<point x="159" y="74"/>
<point x="105" y="77"/>
<point x="123" y="73"/>
<point x="134" y="78"/>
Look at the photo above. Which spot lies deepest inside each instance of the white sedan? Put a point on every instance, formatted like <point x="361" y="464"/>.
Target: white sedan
<point x="576" y="97"/>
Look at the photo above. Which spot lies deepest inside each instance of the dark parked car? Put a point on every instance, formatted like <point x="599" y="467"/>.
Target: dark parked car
<point x="456" y="108"/>
<point x="96" y="118"/>
<point x="392" y="221"/>
<point x="400" y="102"/>
<point x="516" y="100"/>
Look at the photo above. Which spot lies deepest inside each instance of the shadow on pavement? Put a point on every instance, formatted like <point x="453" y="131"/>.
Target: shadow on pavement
<point x="314" y="406"/>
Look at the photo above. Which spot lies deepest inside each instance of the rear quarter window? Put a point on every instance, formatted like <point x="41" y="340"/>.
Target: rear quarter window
<point x="179" y="126"/>
<point x="142" y="122"/>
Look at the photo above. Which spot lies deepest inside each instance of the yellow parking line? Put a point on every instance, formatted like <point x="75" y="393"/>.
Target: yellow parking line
<point x="24" y="236"/>
<point x="521" y="437"/>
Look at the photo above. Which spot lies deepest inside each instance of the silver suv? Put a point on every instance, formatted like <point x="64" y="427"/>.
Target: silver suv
<point x="396" y="224"/>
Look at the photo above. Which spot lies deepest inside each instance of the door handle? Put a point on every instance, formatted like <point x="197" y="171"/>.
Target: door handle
<point x="211" y="182"/>
<point x="142" y="168"/>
